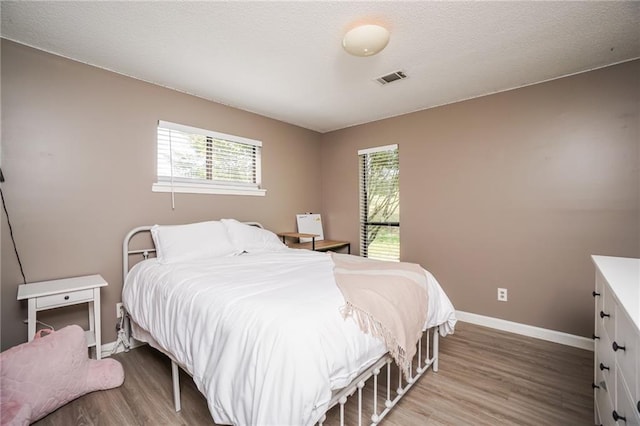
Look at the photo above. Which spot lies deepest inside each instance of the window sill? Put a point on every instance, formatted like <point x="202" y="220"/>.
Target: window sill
<point x="206" y="189"/>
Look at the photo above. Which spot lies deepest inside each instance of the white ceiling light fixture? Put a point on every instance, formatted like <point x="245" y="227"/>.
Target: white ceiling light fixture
<point x="366" y="40"/>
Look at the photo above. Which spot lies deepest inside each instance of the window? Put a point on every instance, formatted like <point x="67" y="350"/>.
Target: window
<point x="202" y="161"/>
<point x="380" y="203"/>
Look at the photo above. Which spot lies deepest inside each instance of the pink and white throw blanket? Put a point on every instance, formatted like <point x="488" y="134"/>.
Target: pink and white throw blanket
<point x="387" y="299"/>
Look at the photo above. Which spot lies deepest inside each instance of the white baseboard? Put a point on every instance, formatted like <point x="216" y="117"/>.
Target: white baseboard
<point x="107" y="348"/>
<point x="527" y="330"/>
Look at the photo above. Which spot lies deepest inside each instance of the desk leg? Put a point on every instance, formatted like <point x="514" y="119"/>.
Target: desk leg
<point x="31" y="319"/>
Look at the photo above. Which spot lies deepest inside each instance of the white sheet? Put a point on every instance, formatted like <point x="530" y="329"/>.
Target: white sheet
<point x="261" y="334"/>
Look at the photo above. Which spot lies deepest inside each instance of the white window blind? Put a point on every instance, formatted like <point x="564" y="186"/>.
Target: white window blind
<point x="203" y="161"/>
<point x="380" y="203"/>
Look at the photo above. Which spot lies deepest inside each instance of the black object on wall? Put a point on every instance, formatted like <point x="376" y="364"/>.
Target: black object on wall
<point x="4" y="206"/>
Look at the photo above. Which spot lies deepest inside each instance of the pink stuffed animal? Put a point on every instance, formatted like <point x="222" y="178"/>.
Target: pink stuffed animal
<point x="48" y="372"/>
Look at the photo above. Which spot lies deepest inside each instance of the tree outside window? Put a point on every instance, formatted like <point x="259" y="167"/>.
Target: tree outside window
<point x="380" y="203"/>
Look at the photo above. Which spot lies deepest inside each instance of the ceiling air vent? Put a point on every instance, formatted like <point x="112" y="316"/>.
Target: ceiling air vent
<point x="390" y="78"/>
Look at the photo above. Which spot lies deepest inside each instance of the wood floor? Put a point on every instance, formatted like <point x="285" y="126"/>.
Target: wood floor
<point x="486" y="377"/>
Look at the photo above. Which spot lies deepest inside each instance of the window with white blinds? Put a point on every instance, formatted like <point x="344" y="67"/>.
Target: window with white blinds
<point x="202" y="161"/>
<point x="380" y="203"/>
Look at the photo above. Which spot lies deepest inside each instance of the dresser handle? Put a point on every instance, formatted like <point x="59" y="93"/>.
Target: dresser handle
<point x="594" y="294"/>
<point x="616" y="346"/>
<point x="603" y="367"/>
<point x="602" y="314"/>
<point x="617" y="416"/>
<point x="594" y="337"/>
<point x="66" y="297"/>
<point x="594" y="386"/>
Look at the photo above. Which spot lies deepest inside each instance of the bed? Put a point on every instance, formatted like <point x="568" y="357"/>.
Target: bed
<point x="260" y="327"/>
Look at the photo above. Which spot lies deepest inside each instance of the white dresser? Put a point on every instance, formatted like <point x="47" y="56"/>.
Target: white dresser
<point x="617" y="341"/>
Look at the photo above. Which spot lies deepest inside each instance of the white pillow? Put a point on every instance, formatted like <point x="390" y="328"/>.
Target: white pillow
<point x="252" y="239"/>
<point x="195" y="241"/>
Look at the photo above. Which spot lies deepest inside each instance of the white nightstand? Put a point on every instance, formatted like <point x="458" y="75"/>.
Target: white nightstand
<point x="65" y="292"/>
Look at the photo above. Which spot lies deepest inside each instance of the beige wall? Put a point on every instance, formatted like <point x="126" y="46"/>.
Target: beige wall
<point x="78" y="147"/>
<point x="512" y="190"/>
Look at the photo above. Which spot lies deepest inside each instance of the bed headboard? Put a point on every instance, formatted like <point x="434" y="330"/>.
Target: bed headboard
<point x="148" y="249"/>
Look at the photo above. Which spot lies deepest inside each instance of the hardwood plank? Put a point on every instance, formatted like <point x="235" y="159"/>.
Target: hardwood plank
<point x="486" y="377"/>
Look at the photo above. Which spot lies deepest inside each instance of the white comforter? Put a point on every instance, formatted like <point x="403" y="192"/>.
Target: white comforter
<point x="261" y="334"/>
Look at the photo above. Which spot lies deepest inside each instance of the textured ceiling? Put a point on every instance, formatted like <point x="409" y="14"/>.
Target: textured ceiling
<point x="285" y="60"/>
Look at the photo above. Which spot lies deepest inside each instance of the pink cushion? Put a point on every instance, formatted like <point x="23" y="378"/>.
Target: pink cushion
<point x="46" y="373"/>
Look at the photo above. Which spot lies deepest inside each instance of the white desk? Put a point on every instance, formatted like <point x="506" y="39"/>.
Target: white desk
<point x="320" y="245"/>
<point x="66" y="292"/>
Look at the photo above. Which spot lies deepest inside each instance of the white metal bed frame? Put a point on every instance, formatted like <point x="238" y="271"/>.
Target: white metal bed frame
<point x="426" y="356"/>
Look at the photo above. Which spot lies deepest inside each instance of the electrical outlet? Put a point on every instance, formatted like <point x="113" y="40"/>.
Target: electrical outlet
<point x="502" y="294"/>
<point x="119" y="310"/>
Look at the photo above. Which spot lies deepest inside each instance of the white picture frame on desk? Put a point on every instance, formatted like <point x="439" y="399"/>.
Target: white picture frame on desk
<point x="310" y="223"/>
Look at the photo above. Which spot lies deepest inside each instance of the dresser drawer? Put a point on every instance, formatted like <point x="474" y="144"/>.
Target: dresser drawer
<point x="606" y="357"/>
<point x="608" y="314"/>
<point x="637" y="397"/>
<point x="600" y="333"/>
<point x="604" y="407"/>
<point x="627" y="359"/>
<point x="599" y="295"/>
<point x="625" y="406"/>
<point x="599" y="291"/>
<point x="64" y="298"/>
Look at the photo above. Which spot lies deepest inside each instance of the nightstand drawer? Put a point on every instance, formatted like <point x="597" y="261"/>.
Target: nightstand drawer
<point x="64" y="298"/>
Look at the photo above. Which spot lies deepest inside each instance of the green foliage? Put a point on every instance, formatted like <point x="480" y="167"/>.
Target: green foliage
<point x="381" y="198"/>
<point x="201" y="157"/>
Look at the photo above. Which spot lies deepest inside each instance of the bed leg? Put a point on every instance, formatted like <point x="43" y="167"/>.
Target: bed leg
<point x="435" y="349"/>
<point x="360" y="386"/>
<point x="387" y="402"/>
<point x="342" y="401"/>
<point x="419" y="369"/>
<point x="175" y="376"/>
<point x="374" y="416"/>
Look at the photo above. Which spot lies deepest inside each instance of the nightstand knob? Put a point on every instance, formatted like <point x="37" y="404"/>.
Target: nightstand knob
<point x="603" y="367"/>
<point x="594" y="337"/>
<point x="602" y="314"/>
<point x="594" y="386"/>
<point x="595" y="294"/>
<point x="616" y="346"/>
<point x="66" y="297"/>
